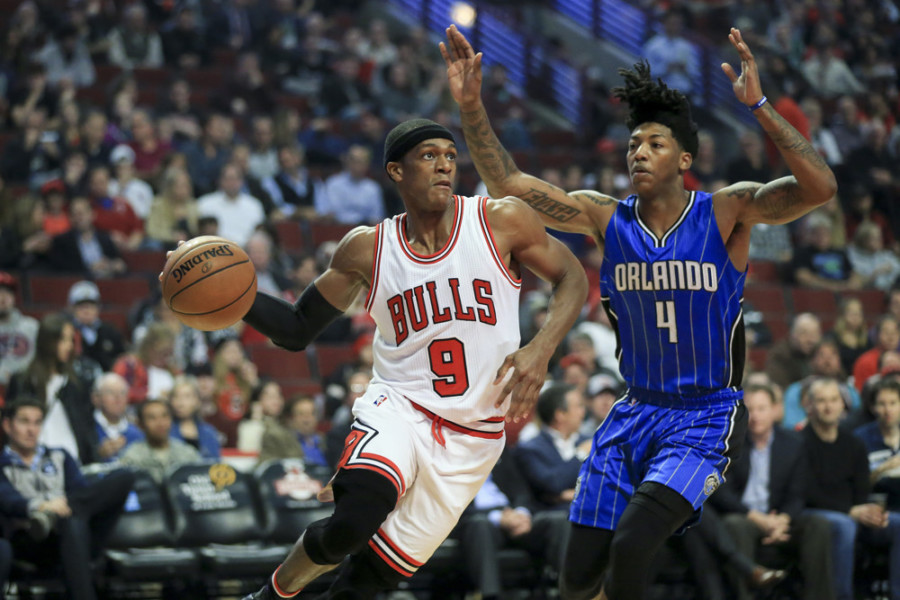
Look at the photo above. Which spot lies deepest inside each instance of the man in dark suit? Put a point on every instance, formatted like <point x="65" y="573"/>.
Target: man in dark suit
<point x="551" y="460"/>
<point x="763" y="499"/>
<point x="505" y="515"/>
<point x="84" y="249"/>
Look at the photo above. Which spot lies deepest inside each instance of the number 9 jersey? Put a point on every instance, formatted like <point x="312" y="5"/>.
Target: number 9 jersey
<point x="445" y="322"/>
<point x="674" y="302"/>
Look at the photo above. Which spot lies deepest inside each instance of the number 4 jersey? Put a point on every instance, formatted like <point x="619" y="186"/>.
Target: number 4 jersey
<point x="674" y="302"/>
<point x="445" y="322"/>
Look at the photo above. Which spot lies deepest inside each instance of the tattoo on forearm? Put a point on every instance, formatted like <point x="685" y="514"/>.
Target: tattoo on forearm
<point x="543" y="203"/>
<point x="491" y="158"/>
<point x="789" y="140"/>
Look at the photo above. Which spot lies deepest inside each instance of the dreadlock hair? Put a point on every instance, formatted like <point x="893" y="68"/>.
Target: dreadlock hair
<point x="651" y="101"/>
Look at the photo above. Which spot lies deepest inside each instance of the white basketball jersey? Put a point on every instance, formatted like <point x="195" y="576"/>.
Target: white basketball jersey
<point x="446" y="321"/>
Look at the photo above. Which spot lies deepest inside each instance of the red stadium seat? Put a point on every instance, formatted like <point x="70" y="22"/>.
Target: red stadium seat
<point x="767" y="299"/>
<point x="118" y="317"/>
<point x="291" y="237"/>
<point x="763" y="271"/>
<point x="328" y="232"/>
<point x="278" y="363"/>
<point x="779" y="326"/>
<point x="873" y="301"/>
<point x="306" y="387"/>
<point x="818" y="302"/>
<point x="757" y="358"/>
<point x="330" y="358"/>
<point x="52" y="290"/>
<point x="145" y="261"/>
<point x="123" y="293"/>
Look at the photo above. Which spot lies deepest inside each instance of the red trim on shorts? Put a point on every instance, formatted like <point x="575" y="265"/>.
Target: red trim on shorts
<point x="378" y="470"/>
<point x="488" y="435"/>
<point x="397" y="550"/>
<point x="376" y="263"/>
<point x="389" y="561"/>
<point x="280" y="592"/>
<point x="382" y="459"/>
<point x="493" y="420"/>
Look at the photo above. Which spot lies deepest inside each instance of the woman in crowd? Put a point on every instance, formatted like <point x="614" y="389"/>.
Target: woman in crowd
<point x="149" y="370"/>
<point x="187" y="425"/>
<point x="173" y="214"/>
<point x="266" y="405"/>
<point x="850" y="332"/>
<point x="235" y="379"/>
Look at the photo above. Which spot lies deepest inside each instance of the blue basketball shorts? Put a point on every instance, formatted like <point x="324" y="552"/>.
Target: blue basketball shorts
<point x="684" y="443"/>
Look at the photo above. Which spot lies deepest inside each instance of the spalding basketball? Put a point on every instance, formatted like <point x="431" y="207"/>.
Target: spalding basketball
<point x="209" y="282"/>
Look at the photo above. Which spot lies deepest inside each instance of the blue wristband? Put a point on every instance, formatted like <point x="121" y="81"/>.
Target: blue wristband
<point x="758" y="104"/>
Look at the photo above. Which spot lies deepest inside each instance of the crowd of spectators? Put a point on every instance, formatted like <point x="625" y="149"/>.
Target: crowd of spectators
<point x="129" y="127"/>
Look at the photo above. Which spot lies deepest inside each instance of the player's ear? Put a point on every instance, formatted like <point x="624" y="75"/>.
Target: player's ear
<point x="685" y="162"/>
<point x="395" y="171"/>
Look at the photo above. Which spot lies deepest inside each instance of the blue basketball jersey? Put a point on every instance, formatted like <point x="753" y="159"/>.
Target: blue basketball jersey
<point x="674" y="302"/>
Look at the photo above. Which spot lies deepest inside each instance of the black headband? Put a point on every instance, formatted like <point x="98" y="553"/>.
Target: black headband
<point x="407" y="135"/>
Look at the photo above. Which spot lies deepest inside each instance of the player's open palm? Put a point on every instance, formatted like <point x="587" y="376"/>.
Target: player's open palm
<point x="463" y="67"/>
<point x="746" y="85"/>
<point x="529" y="369"/>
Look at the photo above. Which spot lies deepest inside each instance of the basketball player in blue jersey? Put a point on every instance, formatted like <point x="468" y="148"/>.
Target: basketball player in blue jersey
<point x="671" y="281"/>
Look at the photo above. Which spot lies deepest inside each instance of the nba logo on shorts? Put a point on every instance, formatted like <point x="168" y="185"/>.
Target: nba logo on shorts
<point x="711" y="484"/>
<point x="379" y="400"/>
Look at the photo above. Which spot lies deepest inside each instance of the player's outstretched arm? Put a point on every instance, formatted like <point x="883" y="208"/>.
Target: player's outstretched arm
<point x="520" y="235"/>
<point x="583" y="211"/>
<point x="294" y="326"/>
<point x="811" y="184"/>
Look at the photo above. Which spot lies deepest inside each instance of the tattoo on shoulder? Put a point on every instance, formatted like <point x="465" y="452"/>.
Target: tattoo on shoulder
<point x="743" y="192"/>
<point x="541" y="202"/>
<point x="595" y="199"/>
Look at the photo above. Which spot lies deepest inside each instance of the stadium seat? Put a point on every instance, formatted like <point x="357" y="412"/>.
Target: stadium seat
<point x="291" y="237"/>
<point x="768" y="299"/>
<point x="555" y="138"/>
<point x="873" y="301"/>
<point x="118" y="317"/>
<point x="50" y="290"/>
<point x="123" y="293"/>
<point x="145" y="261"/>
<point x="288" y="492"/>
<point x="278" y="363"/>
<point x="757" y="358"/>
<point x="327" y="232"/>
<point x="329" y="358"/>
<point x="818" y="302"/>
<point x="778" y="325"/>
<point x="297" y="387"/>
<point x="763" y="271"/>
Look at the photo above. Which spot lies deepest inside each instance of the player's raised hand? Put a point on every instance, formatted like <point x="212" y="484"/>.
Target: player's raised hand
<point x="463" y="68"/>
<point x="746" y="85"/>
<point x="529" y="369"/>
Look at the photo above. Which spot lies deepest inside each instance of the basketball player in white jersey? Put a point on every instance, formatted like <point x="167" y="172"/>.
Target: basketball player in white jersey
<point x="442" y="284"/>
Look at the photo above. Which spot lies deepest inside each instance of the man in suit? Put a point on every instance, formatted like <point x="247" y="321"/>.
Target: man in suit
<point x="505" y="515"/>
<point x="551" y="460"/>
<point x="763" y="499"/>
<point x="83" y="249"/>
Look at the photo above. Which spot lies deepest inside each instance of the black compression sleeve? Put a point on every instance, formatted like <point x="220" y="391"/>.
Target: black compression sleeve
<point x="292" y="326"/>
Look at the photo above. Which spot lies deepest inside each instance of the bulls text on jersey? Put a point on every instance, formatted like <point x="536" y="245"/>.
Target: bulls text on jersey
<point x="410" y="310"/>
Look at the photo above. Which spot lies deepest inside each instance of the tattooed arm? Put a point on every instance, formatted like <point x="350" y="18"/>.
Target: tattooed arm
<point x="811" y="184"/>
<point x="583" y="211"/>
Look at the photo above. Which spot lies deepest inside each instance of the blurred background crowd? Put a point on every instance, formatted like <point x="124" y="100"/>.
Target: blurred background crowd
<point x="126" y="127"/>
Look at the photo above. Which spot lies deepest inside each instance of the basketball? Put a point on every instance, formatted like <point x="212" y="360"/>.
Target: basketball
<point x="209" y="282"/>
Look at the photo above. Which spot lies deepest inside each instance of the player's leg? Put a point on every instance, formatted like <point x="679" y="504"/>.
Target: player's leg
<point x="585" y="562"/>
<point x="364" y="576"/>
<point x="363" y="499"/>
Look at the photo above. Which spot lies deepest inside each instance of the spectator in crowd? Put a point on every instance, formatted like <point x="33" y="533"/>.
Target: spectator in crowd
<point x="206" y="388"/>
<point x="100" y="341"/>
<point x="352" y="197"/>
<point x="707" y="167"/>
<point x="266" y="407"/>
<point x="184" y="40"/>
<point x="114" y="431"/>
<point x="850" y="332"/>
<point x="882" y="441"/>
<point x="45" y="485"/>
<point x="187" y="424"/>
<point x="575" y="371"/>
<point x="33" y="100"/>
<point x="263" y="161"/>
<point x="207" y="156"/>
<point x="240" y="158"/>
<point x="159" y="452"/>
<point x="298" y="436"/>
<point x="877" y="266"/>
<point x="400" y="97"/>
<point x="113" y="214"/>
<point x="751" y="164"/>
<point x="838" y="487"/>
<point x="173" y="214"/>
<point x="235" y="378"/>
<point x="887" y="337"/>
<point x="861" y="209"/>
<point x="18" y="333"/>
<point x="821" y="137"/>
<point x="825" y="361"/>
<point x="56" y="217"/>
<point x="148" y="370"/>
<point x="343" y="94"/>
<point x="847" y="124"/>
<point x="551" y="460"/>
<point x="190" y="344"/>
<point x="124" y="184"/>
<point x="66" y="58"/>
<point x="33" y="155"/>
<point x="826" y="71"/>
<point x="93" y="143"/>
<point x="602" y="392"/>
<point x="504" y="515"/>
<point x="873" y="164"/>
<point x="763" y="499"/>
<point x="62" y="383"/>
<point x="818" y="263"/>
<point x="150" y="151"/>
<point x="248" y="92"/>
<point x="294" y="191"/>
<point x="672" y="56"/>
<point x="236" y="25"/>
<point x="356" y="384"/>
<point x="180" y="113"/>
<point x="238" y="213"/>
<point x="133" y="43"/>
<point x="603" y="338"/>
<point x="268" y="279"/>
<point x="788" y="359"/>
